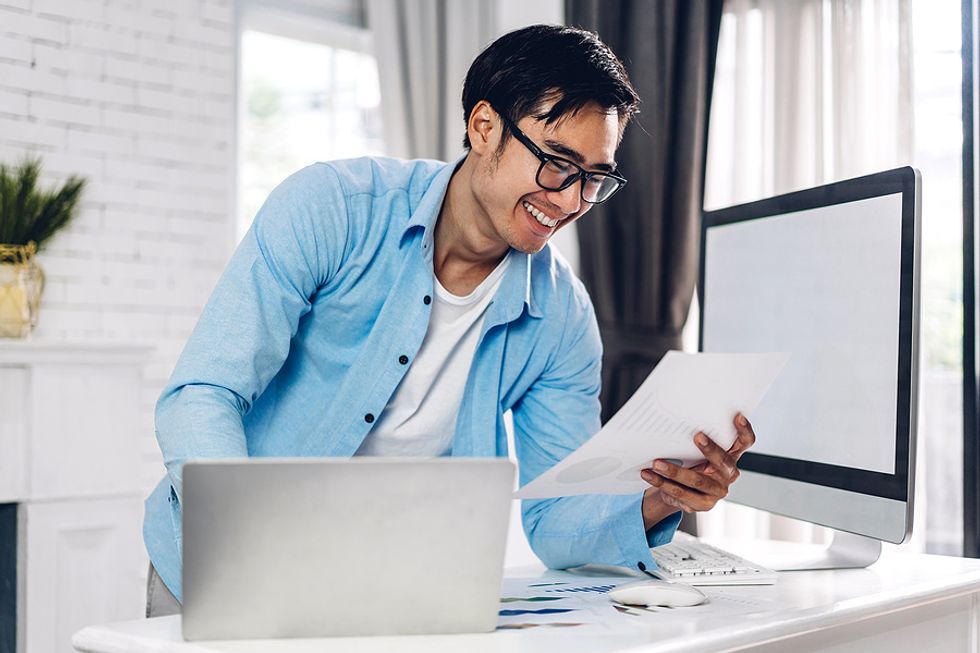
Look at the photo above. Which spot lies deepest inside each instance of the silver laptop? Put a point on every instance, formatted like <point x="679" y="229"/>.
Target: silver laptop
<point x="335" y="547"/>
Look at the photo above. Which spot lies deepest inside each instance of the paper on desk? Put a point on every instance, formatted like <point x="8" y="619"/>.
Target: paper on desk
<point x="565" y="603"/>
<point x="684" y="394"/>
<point x="568" y="602"/>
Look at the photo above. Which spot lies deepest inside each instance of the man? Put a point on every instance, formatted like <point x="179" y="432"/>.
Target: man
<point x="383" y="307"/>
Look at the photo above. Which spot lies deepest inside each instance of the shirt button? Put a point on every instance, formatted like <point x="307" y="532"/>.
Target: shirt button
<point x="369" y="418"/>
<point x="403" y="359"/>
<point x="426" y="300"/>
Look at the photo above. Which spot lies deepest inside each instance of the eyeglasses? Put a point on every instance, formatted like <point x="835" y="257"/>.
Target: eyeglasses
<point x="556" y="173"/>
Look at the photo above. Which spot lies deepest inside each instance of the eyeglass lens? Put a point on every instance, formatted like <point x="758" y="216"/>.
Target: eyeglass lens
<point x="557" y="175"/>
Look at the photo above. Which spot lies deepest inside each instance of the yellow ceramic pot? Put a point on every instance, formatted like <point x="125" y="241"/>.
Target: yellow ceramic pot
<point x="21" y="284"/>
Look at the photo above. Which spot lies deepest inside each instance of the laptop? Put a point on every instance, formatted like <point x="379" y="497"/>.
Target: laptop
<point x="313" y="547"/>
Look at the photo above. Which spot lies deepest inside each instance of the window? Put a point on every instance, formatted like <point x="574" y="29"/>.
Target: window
<point x="937" y="153"/>
<point x="308" y="92"/>
<point x="818" y="90"/>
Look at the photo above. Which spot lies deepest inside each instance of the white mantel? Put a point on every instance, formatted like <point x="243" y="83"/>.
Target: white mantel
<point x="28" y="352"/>
<point x="69" y="419"/>
<point x="70" y="458"/>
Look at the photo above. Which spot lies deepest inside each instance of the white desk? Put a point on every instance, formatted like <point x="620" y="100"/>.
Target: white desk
<point x="902" y="603"/>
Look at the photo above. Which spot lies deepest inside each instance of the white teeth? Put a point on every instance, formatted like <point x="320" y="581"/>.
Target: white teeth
<point x="539" y="216"/>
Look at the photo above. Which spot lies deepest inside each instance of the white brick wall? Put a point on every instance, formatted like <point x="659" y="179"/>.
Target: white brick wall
<point x="138" y="96"/>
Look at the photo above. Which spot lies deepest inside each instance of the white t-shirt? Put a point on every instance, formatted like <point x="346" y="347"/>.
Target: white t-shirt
<point x="420" y="418"/>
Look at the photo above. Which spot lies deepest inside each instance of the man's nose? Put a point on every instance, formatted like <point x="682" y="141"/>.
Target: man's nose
<point x="568" y="200"/>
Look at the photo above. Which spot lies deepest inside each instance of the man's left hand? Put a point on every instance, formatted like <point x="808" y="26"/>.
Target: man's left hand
<point x="698" y="488"/>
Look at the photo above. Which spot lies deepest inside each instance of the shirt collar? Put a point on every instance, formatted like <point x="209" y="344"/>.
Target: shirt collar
<point x="427" y="210"/>
<point x="516" y="291"/>
<point x="515" y="288"/>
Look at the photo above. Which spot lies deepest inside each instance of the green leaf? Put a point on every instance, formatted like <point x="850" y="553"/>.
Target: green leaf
<point x="28" y="212"/>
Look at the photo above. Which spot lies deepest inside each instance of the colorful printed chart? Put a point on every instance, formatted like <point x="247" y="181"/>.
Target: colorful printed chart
<point x="536" y="603"/>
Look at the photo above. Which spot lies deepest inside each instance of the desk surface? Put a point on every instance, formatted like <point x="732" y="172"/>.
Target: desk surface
<point x="735" y="617"/>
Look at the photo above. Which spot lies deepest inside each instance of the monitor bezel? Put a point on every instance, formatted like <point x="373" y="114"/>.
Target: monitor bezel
<point x="900" y="180"/>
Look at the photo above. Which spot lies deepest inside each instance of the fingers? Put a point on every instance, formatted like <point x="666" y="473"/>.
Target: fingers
<point x="700" y="487"/>
<point x="720" y="459"/>
<point x="744" y="439"/>
<point x="745" y="436"/>
<point x="685" y="489"/>
<point x="681" y="496"/>
<point x="690" y="478"/>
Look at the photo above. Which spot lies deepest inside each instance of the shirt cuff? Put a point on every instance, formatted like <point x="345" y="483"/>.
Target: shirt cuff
<point x="663" y="531"/>
<point x="636" y="541"/>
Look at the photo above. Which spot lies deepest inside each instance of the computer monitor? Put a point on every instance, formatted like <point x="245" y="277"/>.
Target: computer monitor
<point x="830" y="275"/>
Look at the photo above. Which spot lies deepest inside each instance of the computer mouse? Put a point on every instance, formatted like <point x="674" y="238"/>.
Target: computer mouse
<point x="657" y="593"/>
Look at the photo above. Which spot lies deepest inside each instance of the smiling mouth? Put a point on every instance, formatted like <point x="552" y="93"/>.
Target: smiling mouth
<point x="539" y="215"/>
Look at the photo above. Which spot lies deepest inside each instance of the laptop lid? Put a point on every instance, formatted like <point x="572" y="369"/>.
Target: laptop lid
<point x="314" y="547"/>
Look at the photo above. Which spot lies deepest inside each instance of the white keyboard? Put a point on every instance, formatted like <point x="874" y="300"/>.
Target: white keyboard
<point x="696" y="563"/>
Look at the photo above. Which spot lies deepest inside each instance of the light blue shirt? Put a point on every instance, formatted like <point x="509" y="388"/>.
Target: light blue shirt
<point x="297" y="352"/>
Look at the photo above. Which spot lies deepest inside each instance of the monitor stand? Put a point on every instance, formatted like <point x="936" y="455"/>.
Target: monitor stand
<point x="845" y="551"/>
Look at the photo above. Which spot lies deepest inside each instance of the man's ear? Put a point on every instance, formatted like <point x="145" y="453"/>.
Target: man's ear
<point x="483" y="128"/>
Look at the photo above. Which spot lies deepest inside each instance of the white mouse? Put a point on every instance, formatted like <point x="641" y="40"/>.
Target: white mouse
<point x="657" y="593"/>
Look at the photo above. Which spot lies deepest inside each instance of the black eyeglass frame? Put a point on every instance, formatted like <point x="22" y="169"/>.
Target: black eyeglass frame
<point x="545" y="158"/>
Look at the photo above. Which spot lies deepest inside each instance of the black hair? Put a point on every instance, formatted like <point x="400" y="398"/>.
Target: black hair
<point x="524" y="69"/>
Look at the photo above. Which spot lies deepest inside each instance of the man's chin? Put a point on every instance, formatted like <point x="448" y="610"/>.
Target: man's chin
<point x="527" y="248"/>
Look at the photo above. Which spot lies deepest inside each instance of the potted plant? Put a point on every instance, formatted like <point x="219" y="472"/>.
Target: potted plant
<point x="29" y="217"/>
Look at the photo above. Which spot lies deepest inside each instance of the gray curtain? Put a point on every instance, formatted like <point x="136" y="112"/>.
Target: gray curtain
<point x="639" y="252"/>
<point x="424" y="48"/>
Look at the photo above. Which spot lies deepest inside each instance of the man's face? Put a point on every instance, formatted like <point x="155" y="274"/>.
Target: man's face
<point x="521" y="213"/>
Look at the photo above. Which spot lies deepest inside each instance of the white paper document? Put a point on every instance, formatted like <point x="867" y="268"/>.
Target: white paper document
<point x="571" y="603"/>
<point x="562" y="601"/>
<point x="684" y="394"/>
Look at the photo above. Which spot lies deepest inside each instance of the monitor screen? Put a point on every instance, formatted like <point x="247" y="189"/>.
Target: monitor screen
<point x="822" y="285"/>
